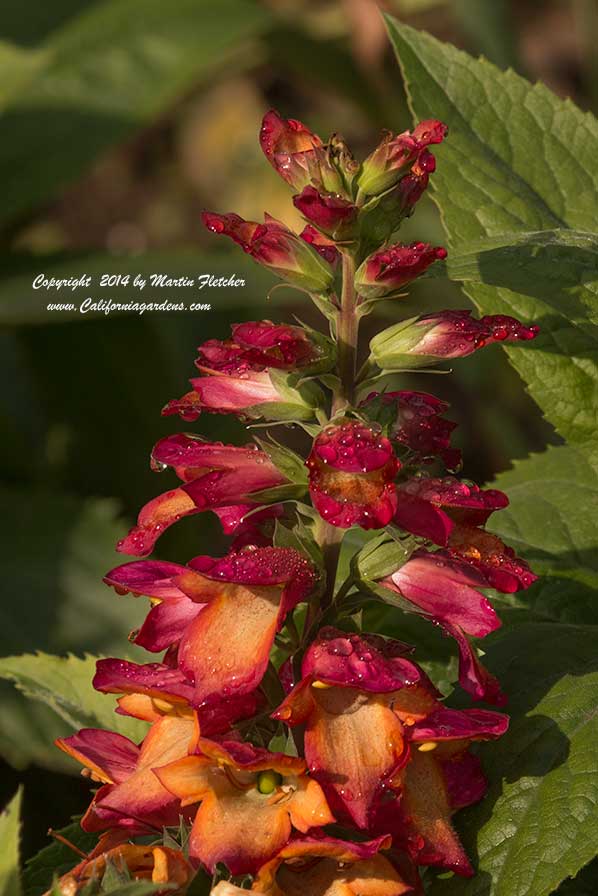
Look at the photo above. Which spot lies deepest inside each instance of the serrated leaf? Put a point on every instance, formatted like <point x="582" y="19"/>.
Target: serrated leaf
<point x="10" y="881"/>
<point x="559" y="267"/>
<point x="551" y="523"/>
<point x="518" y="159"/>
<point x="55" y="859"/>
<point x="64" y="684"/>
<point x="583" y="884"/>
<point x="56" y="604"/>
<point x="539" y="822"/>
<point x="108" y="71"/>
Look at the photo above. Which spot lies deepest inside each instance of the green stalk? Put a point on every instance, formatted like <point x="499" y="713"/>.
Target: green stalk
<point x="347" y="328"/>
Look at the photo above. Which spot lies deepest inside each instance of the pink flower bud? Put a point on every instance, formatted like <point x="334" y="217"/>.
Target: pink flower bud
<point x="351" y="476"/>
<point x="421" y="341"/>
<point x="298" y="155"/>
<point x="386" y="271"/>
<point x="398" y="156"/>
<point x="323" y="246"/>
<point x="328" y="211"/>
<point x="273" y="245"/>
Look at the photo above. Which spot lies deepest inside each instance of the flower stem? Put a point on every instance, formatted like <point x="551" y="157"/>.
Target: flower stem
<point x="347" y="327"/>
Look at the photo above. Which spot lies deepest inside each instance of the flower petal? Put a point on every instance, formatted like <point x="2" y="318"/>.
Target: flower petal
<point x="473" y="675"/>
<point x="239" y="831"/>
<point x="430" y="836"/>
<point x="115" y="676"/>
<point x="445" y="724"/>
<point x="166" y="623"/>
<point x="152" y="578"/>
<point x="353" y="743"/>
<point x="464" y="779"/>
<point x="351" y="476"/>
<point x="111" y="757"/>
<point x="140" y="800"/>
<point x="367" y="662"/>
<point x="445" y="590"/>
<point x="249" y="593"/>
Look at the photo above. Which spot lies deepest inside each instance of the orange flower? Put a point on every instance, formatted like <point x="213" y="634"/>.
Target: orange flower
<point x="322" y="866"/>
<point x="158" y="864"/>
<point x="251" y="800"/>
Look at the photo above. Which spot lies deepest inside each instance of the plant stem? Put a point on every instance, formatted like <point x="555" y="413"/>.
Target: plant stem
<point x="347" y="327"/>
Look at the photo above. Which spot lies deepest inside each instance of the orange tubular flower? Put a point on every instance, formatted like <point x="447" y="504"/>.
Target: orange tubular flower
<point x="131" y="796"/>
<point x="225" y="650"/>
<point x="354" y="740"/>
<point x="250" y="802"/>
<point x="322" y="866"/>
<point x="158" y="864"/>
<point x="372" y="717"/>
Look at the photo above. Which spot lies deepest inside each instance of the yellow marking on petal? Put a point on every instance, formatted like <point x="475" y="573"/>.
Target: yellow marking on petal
<point x="321" y="685"/>
<point x="428" y="746"/>
<point x="164" y="706"/>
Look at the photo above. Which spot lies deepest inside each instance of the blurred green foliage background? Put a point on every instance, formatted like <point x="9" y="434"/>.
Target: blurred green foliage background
<point x="119" y="121"/>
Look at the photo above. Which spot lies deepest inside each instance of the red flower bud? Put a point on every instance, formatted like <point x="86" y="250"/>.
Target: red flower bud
<point x="414" y="419"/>
<point x="323" y="246"/>
<point x="299" y="156"/>
<point x="398" y="156"/>
<point x="328" y="211"/>
<point x="351" y="476"/>
<point x="421" y="341"/>
<point x="273" y="245"/>
<point x="386" y="271"/>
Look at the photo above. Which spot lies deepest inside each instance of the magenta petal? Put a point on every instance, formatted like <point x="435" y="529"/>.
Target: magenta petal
<point x="464" y="779"/>
<point x="263" y="566"/>
<point x="116" y="756"/>
<point x="152" y="578"/>
<point x="445" y="590"/>
<point x="453" y="724"/>
<point x="115" y="676"/>
<point x="473" y="676"/>
<point x="368" y="662"/>
<point x="225" y="394"/>
<point x="186" y="452"/>
<point x="422" y="518"/>
<point x="166" y="623"/>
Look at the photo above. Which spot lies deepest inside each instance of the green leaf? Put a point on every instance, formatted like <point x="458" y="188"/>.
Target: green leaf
<point x="584" y="884"/>
<point x="56" y="604"/>
<point x="558" y="267"/>
<point x="55" y="859"/>
<point x="300" y="537"/>
<point x="10" y="881"/>
<point x="60" y="602"/>
<point x="64" y="684"/>
<point x="551" y="516"/>
<point x="289" y="463"/>
<point x="382" y="556"/>
<point x="104" y="74"/>
<point x="539" y="822"/>
<point x="518" y="159"/>
<point x="137" y="888"/>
